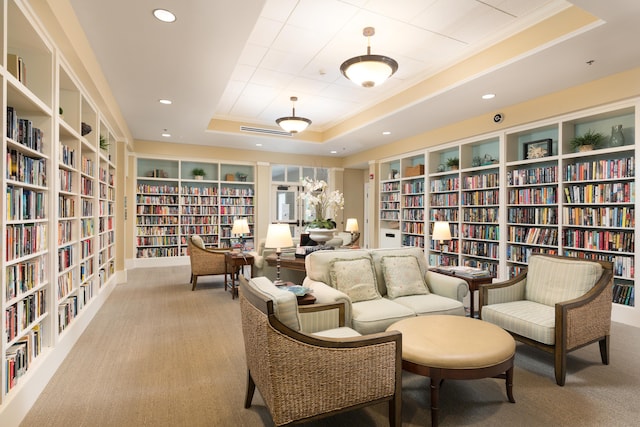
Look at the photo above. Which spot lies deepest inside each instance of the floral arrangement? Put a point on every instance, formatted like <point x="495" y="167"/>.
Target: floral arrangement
<point x="325" y="203"/>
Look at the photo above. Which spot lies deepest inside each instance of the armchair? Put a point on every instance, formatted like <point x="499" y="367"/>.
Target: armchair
<point x="558" y="304"/>
<point x="204" y="262"/>
<point x="336" y="370"/>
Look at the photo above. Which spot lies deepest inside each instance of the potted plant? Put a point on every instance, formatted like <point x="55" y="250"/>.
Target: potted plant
<point x="198" y="173"/>
<point x="325" y="204"/>
<point x="104" y="145"/>
<point x="586" y="142"/>
<point x="453" y="163"/>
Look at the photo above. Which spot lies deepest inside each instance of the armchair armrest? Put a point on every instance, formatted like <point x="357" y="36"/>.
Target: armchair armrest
<point x="588" y="317"/>
<point x="325" y="294"/>
<point x="321" y="317"/>
<point x="446" y="286"/>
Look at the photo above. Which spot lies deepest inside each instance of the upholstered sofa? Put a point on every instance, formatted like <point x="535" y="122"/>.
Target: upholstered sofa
<point x="382" y="286"/>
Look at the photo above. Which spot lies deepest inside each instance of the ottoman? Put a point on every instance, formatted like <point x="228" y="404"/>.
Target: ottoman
<point x="455" y="347"/>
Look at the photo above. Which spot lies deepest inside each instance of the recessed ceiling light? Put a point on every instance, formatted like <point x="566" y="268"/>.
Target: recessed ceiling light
<point x="165" y="101"/>
<point x="333" y="152"/>
<point x="386" y="132"/>
<point x="258" y="145"/>
<point x="164" y="15"/>
<point x="166" y="135"/>
<point x="488" y="96"/>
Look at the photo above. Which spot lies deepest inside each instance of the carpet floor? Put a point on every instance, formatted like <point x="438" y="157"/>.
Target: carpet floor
<point x="158" y="354"/>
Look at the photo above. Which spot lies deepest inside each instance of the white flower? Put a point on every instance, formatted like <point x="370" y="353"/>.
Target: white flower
<point x="326" y="204"/>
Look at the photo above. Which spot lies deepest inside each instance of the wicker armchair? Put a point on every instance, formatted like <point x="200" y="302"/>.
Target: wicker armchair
<point x="558" y="304"/>
<point x="334" y="371"/>
<point x="204" y="262"/>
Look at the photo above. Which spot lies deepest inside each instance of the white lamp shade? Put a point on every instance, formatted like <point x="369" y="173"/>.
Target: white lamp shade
<point x="278" y="236"/>
<point x="441" y="231"/>
<point x="352" y="225"/>
<point x="369" y="70"/>
<point x="240" y="226"/>
<point x="293" y="124"/>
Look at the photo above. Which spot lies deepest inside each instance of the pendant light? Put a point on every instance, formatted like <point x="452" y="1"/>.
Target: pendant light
<point x="369" y="70"/>
<point x="293" y="124"/>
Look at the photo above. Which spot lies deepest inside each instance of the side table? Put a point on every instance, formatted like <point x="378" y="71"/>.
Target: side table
<point x="473" y="282"/>
<point x="233" y="262"/>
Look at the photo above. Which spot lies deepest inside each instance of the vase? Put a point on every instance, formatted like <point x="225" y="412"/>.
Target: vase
<point x="617" y="137"/>
<point x="321" y="235"/>
<point x="199" y="177"/>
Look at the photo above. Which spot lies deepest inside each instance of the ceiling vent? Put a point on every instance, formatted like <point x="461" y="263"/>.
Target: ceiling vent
<point x="265" y="131"/>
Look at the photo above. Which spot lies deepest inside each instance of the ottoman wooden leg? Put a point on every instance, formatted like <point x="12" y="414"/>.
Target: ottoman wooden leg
<point x="509" y="382"/>
<point x="436" y="380"/>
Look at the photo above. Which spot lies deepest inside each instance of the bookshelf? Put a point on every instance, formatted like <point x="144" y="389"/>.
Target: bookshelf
<point x="412" y="201"/>
<point x="50" y="212"/>
<point x="389" y="207"/>
<point x="172" y="204"/>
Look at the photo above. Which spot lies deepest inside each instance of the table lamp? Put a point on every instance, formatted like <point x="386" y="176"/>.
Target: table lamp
<point x="278" y="237"/>
<point x="352" y="227"/>
<point x="240" y="227"/>
<point x="441" y="233"/>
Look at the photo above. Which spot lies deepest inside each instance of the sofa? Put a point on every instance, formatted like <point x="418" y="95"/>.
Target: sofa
<point x="382" y="286"/>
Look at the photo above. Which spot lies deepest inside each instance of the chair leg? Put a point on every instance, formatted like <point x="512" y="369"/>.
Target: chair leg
<point x="560" y="366"/>
<point x="395" y="410"/>
<point x="251" y="388"/>
<point x="604" y="350"/>
<point x="195" y="282"/>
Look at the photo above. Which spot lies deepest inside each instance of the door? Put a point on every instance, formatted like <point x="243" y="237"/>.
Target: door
<point x="289" y="208"/>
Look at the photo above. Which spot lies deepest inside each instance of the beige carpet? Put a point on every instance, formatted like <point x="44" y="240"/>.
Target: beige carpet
<point x="158" y="354"/>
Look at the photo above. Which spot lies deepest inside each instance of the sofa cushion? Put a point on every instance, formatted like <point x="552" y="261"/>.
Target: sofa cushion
<point x="342" y="332"/>
<point x="285" y="303"/>
<point x="197" y="241"/>
<point x="527" y="318"/>
<point x="370" y="317"/>
<point x="402" y="276"/>
<point x="317" y="263"/>
<point x="354" y="277"/>
<point x="553" y="280"/>
<point x="377" y="254"/>
<point x="431" y="304"/>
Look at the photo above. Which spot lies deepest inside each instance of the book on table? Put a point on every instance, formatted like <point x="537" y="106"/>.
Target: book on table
<point x="465" y="271"/>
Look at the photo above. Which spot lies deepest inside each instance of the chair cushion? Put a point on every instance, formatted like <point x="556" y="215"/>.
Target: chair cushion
<point x="285" y="303"/>
<point x="432" y="304"/>
<point x="354" y="277"/>
<point x="402" y="276"/>
<point x="318" y="263"/>
<point x="342" y="332"/>
<point x="197" y="241"/>
<point x="527" y="318"/>
<point x="369" y="317"/>
<point x="553" y="280"/>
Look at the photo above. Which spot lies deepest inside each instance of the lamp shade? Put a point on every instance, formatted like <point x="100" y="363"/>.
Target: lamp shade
<point x="293" y="124"/>
<point x="441" y="231"/>
<point x="352" y="225"/>
<point x="369" y="70"/>
<point x="278" y="236"/>
<point x="240" y="226"/>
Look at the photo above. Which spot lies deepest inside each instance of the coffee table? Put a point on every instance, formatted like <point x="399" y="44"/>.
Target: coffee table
<point x="455" y="347"/>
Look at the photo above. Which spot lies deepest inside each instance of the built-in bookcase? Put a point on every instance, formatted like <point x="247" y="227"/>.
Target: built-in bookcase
<point x="522" y="191"/>
<point x="173" y="203"/>
<point x="50" y="210"/>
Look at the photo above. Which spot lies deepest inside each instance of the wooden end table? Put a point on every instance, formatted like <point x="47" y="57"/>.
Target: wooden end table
<point x="233" y="262"/>
<point x="473" y="282"/>
<point x="289" y="262"/>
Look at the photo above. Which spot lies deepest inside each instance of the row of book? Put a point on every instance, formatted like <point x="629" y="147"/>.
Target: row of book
<point x="20" y="355"/>
<point x="142" y="199"/>
<point x="533" y="196"/>
<point x="533" y="215"/>
<point x="24" y="276"/>
<point x="489" y="180"/>
<point x="199" y="191"/>
<point x="624" y="294"/>
<point x="486" y="232"/>
<point x="484" y="214"/>
<point x="603" y="240"/>
<point x="545" y="175"/>
<point x="199" y="200"/>
<point x="25" y="204"/>
<point x="534" y="235"/>
<point x="25" y="239"/>
<point x="23" y="132"/>
<point x="413" y="187"/>
<point x="622" y="217"/>
<point x="156" y="189"/>
<point x="617" y="192"/>
<point x="483" y="249"/>
<point x="601" y="169"/>
<point x="20" y="315"/>
<point x="478" y="198"/>
<point x="26" y="169"/>
<point x="445" y="184"/>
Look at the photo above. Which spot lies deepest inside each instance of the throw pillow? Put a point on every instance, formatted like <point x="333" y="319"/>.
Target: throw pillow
<point x="402" y="276"/>
<point x="354" y="277"/>
<point x="197" y="240"/>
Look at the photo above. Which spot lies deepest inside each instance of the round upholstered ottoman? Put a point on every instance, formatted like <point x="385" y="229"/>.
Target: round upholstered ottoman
<point x="455" y="347"/>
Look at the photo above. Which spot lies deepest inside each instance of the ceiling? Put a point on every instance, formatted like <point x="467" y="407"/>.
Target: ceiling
<point x="226" y="64"/>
